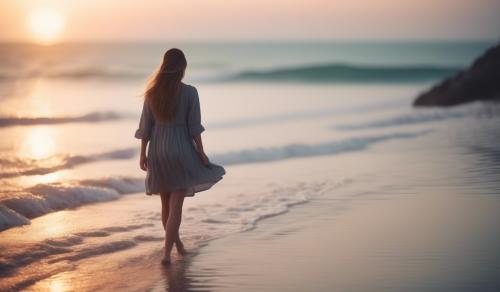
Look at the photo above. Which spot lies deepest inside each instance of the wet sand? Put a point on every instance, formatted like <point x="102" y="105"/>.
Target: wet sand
<point x="421" y="227"/>
<point x="414" y="214"/>
<point x="424" y="243"/>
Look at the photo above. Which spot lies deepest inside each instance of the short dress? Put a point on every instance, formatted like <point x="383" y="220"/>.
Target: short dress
<point x="172" y="157"/>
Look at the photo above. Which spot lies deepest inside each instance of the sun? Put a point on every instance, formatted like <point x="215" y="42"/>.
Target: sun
<point x="46" y="26"/>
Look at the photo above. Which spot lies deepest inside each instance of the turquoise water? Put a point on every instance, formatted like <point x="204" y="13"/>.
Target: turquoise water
<point x="214" y="61"/>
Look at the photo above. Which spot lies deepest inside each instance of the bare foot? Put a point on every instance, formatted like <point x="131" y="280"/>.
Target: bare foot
<point x="166" y="258"/>
<point x="166" y="261"/>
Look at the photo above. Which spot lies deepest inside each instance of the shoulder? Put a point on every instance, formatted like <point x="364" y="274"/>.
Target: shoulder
<point x="146" y="105"/>
<point x="190" y="89"/>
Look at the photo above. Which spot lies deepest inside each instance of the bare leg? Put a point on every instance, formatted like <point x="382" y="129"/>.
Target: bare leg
<point x="165" y="198"/>
<point x="165" y="206"/>
<point x="173" y="222"/>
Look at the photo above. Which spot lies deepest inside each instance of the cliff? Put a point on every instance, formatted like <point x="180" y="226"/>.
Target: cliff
<point x="481" y="81"/>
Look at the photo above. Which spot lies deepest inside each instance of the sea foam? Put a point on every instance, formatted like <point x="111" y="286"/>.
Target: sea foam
<point x="17" y="207"/>
<point x="268" y="154"/>
<point x="44" y="198"/>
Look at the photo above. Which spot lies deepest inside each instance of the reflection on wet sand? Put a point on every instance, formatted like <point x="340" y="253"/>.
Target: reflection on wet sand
<point x="59" y="284"/>
<point x="175" y="277"/>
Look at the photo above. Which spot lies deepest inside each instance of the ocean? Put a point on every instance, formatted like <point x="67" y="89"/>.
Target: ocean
<point x="280" y="117"/>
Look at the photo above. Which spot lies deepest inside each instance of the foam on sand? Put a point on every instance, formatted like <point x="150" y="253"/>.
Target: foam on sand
<point x="309" y="150"/>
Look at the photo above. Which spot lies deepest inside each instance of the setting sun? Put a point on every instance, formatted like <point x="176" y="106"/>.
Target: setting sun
<point x="46" y="26"/>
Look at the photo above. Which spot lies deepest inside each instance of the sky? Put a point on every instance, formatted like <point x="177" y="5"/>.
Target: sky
<point x="240" y="20"/>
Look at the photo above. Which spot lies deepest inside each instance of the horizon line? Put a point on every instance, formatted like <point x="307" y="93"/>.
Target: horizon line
<point x="267" y="41"/>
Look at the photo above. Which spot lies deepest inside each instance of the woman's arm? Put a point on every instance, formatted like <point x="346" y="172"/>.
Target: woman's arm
<point x="199" y="146"/>
<point x="143" y="162"/>
<point x="144" y="133"/>
<point x="195" y="126"/>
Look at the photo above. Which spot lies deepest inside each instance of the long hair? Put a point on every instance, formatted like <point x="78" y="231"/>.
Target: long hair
<point x="164" y="86"/>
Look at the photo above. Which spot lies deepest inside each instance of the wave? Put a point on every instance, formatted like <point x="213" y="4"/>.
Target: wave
<point x="336" y="72"/>
<point x="17" y="207"/>
<point x="423" y="116"/>
<point x="91" y="71"/>
<point x="345" y="73"/>
<point x="70" y="247"/>
<point x="305" y="115"/>
<point x="10" y="218"/>
<point x="205" y="222"/>
<point x="75" y="73"/>
<point x="13" y="166"/>
<point x="93" y="117"/>
<point x="402" y="120"/>
<point x="307" y="150"/>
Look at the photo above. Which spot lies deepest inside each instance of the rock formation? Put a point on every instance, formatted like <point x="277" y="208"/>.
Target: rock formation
<point x="481" y="81"/>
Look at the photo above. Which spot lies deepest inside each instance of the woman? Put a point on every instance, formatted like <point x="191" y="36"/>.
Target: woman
<point x="176" y="163"/>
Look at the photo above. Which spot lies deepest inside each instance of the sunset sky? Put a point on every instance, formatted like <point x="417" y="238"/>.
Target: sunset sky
<point x="130" y="20"/>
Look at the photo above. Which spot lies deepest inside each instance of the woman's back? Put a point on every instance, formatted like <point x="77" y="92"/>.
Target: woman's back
<point x="173" y="160"/>
<point x="184" y="100"/>
<point x="176" y="163"/>
<point x="187" y="114"/>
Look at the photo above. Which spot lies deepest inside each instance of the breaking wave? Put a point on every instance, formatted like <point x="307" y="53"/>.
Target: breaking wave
<point x="336" y="72"/>
<point x="308" y="150"/>
<point x="346" y="73"/>
<point x="17" y="207"/>
<point x="205" y="222"/>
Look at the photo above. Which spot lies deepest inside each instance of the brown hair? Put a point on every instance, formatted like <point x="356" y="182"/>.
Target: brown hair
<point x="165" y="85"/>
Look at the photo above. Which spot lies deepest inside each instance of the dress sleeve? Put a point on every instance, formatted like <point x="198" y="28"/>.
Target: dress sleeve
<point x="145" y="124"/>
<point x="194" y="116"/>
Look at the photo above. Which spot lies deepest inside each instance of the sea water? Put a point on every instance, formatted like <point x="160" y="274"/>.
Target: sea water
<point x="71" y="190"/>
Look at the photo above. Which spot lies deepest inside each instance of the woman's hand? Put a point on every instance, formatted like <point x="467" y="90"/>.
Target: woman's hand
<point x="143" y="162"/>
<point x="204" y="158"/>
<point x="199" y="146"/>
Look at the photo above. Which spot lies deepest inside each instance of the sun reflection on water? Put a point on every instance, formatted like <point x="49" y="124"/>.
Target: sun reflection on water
<point x="43" y="179"/>
<point x="39" y="143"/>
<point x="57" y="283"/>
<point x="55" y="224"/>
<point x="39" y="148"/>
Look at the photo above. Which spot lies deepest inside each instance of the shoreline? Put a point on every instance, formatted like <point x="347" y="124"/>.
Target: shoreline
<point x="370" y="244"/>
<point x="391" y="230"/>
<point x="365" y="248"/>
<point x="386" y="227"/>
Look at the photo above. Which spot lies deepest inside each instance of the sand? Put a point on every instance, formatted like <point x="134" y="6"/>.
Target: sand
<point x="403" y="215"/>
<point x="421" y="227"/>
<point x="418" y="244"/>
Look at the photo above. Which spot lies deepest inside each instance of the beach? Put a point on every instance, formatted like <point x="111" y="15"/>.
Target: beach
<point x="332" y="184"/>
<point x="361" y="239"/>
